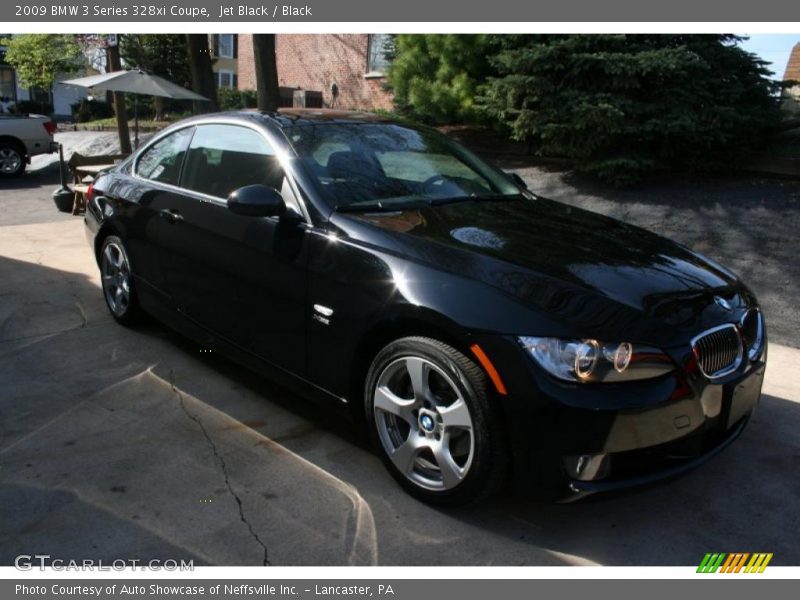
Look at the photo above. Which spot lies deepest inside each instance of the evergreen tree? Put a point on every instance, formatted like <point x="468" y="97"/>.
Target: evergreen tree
<point x="622" y="105"/>
<point x="435" y="77"/>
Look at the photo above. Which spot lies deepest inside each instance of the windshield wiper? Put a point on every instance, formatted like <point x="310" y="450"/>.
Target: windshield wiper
<point x="380" y="206"/>
<point x="471" y="198"/>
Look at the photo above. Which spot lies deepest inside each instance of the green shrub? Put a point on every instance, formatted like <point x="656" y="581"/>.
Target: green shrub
<point x="233" y="99"/>
<point x="146" y="107"/>
<point x="29" y="106"/>
<point x="249" y="98"/>
<point x="90" y="110"/>
<point x="435" y="77"/>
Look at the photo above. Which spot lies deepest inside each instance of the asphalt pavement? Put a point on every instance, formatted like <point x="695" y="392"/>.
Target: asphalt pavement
<point x="135" y="443"/>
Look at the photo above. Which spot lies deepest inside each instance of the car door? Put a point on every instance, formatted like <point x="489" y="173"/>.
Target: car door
<point x="241" y="277"/>
<point x="140" y="196"/>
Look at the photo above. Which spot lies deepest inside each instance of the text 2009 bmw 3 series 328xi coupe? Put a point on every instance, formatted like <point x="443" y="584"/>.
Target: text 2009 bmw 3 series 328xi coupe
<point x="480" y="332"/>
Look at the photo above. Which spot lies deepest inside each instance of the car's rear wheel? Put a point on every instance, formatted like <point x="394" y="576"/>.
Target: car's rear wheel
<point x="12" y="159"/>
<point x="117" y="280"/>
<point x="429" y="413"/>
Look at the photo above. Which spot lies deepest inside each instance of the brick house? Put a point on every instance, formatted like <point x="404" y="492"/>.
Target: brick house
<point x="792" y="95"/>
<point x="347" y="69"/>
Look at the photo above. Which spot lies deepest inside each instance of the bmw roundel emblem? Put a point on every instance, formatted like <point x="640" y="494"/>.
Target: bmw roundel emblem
<point x="723" y="303"/>
<point x="427" y="423"/>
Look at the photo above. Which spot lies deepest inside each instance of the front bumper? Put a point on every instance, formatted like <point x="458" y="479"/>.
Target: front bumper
<point x="579" y="439"/>
<point x="666" y="440"/>
<point x="658" y="463"/>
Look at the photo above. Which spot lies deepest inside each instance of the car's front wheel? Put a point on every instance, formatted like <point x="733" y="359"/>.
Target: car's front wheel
<point x="117" y="280"/>
<point x="428" y="411"/>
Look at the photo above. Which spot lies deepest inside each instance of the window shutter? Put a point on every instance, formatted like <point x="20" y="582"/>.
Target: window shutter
<point x="235" y="81"/>
<point x="235" y="45"/>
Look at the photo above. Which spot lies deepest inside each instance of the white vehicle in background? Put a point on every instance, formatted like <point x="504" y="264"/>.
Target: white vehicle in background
<point x="23" y="136"/>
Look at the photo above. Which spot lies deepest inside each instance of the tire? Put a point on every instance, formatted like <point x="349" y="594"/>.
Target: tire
<point x="429" y="414"/>
<point x="117" y="282"/>
<point x="12" y="159"/>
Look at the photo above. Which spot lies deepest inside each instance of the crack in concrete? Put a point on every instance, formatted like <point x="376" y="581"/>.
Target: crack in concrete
<point x="224" y="468"/>
<point x="81" y="310"/>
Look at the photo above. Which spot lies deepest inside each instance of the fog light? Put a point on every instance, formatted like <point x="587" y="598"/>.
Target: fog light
<point x="587" y="467"/>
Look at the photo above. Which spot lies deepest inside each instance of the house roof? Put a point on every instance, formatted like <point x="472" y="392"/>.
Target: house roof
<point x="793" y="66"/>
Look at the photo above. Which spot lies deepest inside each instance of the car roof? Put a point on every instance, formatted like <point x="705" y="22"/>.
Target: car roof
<point x="300" y="116"/>
<point x="294" y="117"/>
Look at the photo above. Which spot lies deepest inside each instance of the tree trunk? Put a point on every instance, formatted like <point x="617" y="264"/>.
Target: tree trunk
<point x="158" y="107"/>
<point x="200" y="68"/>
<point x="124" y="133"/>
<point x="268" y="92"/>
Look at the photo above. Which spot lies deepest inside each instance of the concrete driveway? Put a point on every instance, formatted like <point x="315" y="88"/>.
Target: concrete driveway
<point x="120" y="443"/>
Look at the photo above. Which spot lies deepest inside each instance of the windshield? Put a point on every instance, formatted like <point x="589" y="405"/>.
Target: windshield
<point x="390" y="166"/>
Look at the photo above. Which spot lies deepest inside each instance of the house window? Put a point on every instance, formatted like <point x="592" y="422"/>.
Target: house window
<point x="377" y="54"/>
<point x="226" y="79"/>
<point x="225" y="45"/>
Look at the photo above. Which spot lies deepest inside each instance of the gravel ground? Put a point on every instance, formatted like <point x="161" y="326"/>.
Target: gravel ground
<point x="750" y="224"/>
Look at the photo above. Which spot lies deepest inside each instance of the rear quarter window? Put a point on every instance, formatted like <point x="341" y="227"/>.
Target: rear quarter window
<point x="162" y="161"/>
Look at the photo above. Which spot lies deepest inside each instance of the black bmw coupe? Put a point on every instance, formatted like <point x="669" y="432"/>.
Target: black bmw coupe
<point x="481" y="332"/>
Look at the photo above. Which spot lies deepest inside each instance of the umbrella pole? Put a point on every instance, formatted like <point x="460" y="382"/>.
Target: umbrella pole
<point x="136" y="121"/>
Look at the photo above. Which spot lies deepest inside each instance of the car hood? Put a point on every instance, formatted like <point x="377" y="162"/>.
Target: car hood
<point x="545" y="253"/>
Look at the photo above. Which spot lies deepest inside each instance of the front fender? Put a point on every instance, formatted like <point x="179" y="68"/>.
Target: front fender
<point x="361" y="297"/>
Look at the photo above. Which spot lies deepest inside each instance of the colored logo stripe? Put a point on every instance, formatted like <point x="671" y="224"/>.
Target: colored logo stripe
<point x="758" y="563"/>
<point x="711" y="563"/>
<point x="734" y="562"/>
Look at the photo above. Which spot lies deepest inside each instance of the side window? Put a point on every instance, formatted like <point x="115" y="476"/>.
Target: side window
<point x="162" y="161"/>
<point x="223" y="158"/>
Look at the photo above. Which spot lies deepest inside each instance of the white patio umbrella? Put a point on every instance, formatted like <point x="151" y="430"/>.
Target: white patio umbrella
<point x="135" y="82"/>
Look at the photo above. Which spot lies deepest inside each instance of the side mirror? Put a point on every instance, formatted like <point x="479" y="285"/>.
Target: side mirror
<point x="518" y="180"/>
<point x="256" y="201"/>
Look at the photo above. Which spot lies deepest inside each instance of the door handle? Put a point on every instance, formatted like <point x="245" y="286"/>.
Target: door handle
<point x="173" y="216"/>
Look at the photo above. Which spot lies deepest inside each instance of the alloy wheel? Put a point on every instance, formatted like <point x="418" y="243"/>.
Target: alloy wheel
<point x="424" y="423"/>
<point x="116" y="275"/>
<point x="10" y="161"/>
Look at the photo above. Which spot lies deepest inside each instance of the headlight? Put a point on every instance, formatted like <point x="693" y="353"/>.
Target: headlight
<point x="594" y="361"/>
